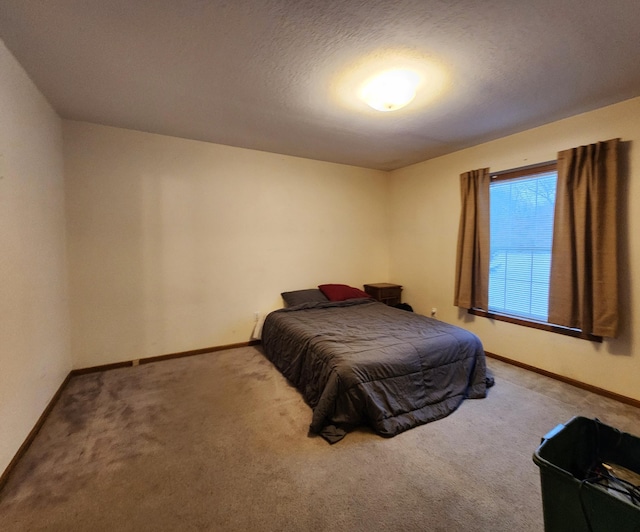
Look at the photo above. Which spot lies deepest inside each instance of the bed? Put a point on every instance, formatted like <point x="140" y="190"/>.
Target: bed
<point x="359" y="362"/>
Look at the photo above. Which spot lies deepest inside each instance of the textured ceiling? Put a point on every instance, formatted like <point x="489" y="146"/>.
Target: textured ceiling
<point x="267" y="74"/>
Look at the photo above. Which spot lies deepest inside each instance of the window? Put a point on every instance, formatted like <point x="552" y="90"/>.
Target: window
<point x="509" y="226"/>
<point x="521" y="218"/>
<point x="521" y="231"/>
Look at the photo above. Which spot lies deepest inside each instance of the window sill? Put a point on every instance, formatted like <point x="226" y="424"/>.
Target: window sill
<point x="576" y="333"/>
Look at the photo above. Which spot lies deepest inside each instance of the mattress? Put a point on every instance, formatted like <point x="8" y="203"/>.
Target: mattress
<point x="360" y="362"/>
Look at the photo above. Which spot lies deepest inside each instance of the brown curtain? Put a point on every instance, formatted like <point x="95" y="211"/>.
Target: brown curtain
<point x="583" y="290"/>
<point x="472" y="264"/>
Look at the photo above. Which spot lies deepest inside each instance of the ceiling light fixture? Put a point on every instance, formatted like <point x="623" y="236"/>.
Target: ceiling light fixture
<point x="390" y="90"/>
<point x="388" y="80"/>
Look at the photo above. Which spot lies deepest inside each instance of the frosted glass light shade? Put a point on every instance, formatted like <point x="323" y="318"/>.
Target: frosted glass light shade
<point x="390" y="90"/>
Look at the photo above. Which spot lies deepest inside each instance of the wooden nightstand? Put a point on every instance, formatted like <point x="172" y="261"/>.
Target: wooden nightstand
<point x="387" y="293"/>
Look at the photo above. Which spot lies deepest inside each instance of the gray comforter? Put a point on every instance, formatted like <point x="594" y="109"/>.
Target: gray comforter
<point x="359" y="362"/>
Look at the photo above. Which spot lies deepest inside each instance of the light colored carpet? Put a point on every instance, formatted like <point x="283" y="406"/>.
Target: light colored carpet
<point x="219" y="442"/>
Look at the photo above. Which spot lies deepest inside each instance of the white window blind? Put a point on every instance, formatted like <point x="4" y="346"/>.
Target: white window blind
<point x="521" y="231"/>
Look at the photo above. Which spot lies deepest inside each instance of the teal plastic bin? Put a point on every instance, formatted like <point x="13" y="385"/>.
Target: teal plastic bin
<point x="577" y="494"/>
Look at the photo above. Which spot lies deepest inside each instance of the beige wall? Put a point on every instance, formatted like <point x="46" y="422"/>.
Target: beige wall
<point x="34" y="355"/>
<point x="425" y="202"/>
<point x="175" y="244"/>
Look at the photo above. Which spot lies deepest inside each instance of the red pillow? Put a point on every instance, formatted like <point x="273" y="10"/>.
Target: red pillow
<point x="340" y="292"/>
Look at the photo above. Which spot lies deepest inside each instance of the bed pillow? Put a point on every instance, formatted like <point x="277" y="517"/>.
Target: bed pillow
<point x="341" y="292"/>
<point x="298" y="297"/>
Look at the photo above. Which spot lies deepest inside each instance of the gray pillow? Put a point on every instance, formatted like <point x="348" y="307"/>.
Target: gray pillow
<point x="298" y="297"/>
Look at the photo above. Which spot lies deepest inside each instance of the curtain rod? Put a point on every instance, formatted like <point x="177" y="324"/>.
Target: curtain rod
<point x="521" y="168"/>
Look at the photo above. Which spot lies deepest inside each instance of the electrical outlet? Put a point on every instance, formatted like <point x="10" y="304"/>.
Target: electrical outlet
<point x="434" y="310"/>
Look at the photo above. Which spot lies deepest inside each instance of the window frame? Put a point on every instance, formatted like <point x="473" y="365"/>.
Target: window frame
<point x="510" y="174"/>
